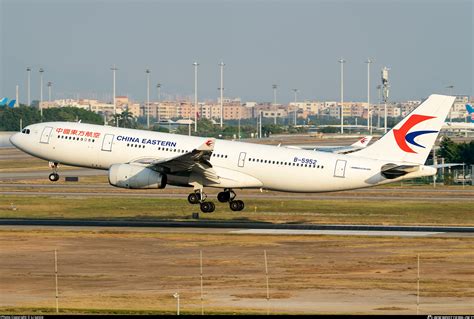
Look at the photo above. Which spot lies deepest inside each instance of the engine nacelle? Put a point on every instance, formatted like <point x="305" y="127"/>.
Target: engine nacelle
<point x="135" y="176"/>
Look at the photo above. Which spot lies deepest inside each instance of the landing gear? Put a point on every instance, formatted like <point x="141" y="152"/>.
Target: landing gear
<point x="194" y="198"/>
<point x="54" y="176"/>
<point x="207" y="207"/>
<point x="199" y="197"/>
<point x="228" y="195"/>
<point x="236" y="205"/>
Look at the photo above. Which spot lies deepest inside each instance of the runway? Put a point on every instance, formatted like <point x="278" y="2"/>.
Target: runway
<point x="322" y="196"/>
<point x="246" y="227"/>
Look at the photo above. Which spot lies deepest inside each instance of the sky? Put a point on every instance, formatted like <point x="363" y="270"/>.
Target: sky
<point x="428" y="45"/>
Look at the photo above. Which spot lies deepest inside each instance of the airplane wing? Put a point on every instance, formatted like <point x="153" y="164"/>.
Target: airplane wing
<point x="194" y="162"/>
<point x="361" y="143"/>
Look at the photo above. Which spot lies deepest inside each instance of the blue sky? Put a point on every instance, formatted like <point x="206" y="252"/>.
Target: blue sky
<point x="295" y="44"/>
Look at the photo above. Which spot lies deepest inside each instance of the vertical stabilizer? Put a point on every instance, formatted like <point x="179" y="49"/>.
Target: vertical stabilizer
<point x="412" y="138"/>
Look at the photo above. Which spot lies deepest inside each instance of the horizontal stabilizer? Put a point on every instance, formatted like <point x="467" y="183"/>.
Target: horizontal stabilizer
<point x="392" y="171"/>
<point x="446" y="165"/>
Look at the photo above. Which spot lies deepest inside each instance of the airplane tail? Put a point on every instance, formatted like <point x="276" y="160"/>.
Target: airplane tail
<point x="4" y="101"/>
<point x="412" y="138"/>
<point x="470" y="110"/>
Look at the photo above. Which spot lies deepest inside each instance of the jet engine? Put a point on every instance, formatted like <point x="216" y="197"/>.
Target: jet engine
<point x="135" y="176"/>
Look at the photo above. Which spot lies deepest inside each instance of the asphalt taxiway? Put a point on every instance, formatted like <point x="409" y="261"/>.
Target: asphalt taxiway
<point x="245" y="227"/>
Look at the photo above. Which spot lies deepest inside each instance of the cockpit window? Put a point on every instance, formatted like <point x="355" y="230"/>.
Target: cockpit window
<point x="25" y="131"/>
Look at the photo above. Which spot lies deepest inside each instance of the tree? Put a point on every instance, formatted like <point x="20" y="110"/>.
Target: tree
<point x="456" y="152"/>
<point x="10" y="117"/>
<point x="466" y="152"/>
<point x="448" y="150"/>
<point x="125" y="119"/>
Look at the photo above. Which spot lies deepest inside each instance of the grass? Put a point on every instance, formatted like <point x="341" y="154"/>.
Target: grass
<point x="295" y="211"/>
<point x="379" y="267"/>
<point x="91" y="311"/>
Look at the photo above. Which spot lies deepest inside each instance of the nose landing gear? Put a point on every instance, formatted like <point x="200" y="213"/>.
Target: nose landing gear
<point x="54" y="176"/>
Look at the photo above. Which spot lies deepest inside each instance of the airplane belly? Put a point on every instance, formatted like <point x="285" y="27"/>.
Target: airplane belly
<point x="229" y="178"/>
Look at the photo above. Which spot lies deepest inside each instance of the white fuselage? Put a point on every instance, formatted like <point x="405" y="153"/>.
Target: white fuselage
<point x="238" y="164"/>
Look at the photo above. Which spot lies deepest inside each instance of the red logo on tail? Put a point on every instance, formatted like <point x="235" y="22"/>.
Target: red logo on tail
<point x="401" y="133"/>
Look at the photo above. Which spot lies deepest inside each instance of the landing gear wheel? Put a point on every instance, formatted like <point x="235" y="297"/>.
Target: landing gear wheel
<point x="236" y="205"/>
<point x="194" y="198"/>
<point x="53" y="177"/>
<point x="223" y="197"/>
<point x="207" y="207"/>
<point x="227" y="195"/>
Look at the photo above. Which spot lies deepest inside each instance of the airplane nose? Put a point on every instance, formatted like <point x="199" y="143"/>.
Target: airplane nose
<point x="14" y="139"/>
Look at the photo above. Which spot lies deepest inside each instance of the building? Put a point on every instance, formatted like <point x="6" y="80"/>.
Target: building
<point x="458" y="110"/>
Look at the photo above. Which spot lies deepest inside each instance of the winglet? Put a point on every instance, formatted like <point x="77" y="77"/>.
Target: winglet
<point x="208" y="145"/>
<point x="363" y="142"/>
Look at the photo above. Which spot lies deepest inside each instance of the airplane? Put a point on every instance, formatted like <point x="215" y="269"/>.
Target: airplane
<point x="359" y="144"/>
<point x="469" y="125"/>
<point x="470" y="111"/>
<point x="4" y="101"/>
<point x="139" y="159"/>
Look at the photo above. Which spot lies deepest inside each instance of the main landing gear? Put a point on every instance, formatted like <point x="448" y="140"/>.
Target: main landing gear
<point x="199" y="197"/>
<point x="227" y="196"/>
<point x="54" y="176"/>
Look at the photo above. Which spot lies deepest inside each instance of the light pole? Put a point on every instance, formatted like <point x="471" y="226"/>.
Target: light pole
<point x="385" y="86"/>
<point x="49" y="90"/>
<point x="295" y="91"/>
<point x="274" y="86"/>
<point x="41" y="71"/>
<point x="195" y="94"/>
<point x="450" y="87"/>
<point x="369" y="117"/>
<point x="28" y="70"/>
<point x="158" y="88"/>
<point x="379" y="89"/>
<point x="113" y="93"/>
<point x="147" y="71"/>
<point x="342" y="61"/>
<point x="222" y="92"/>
